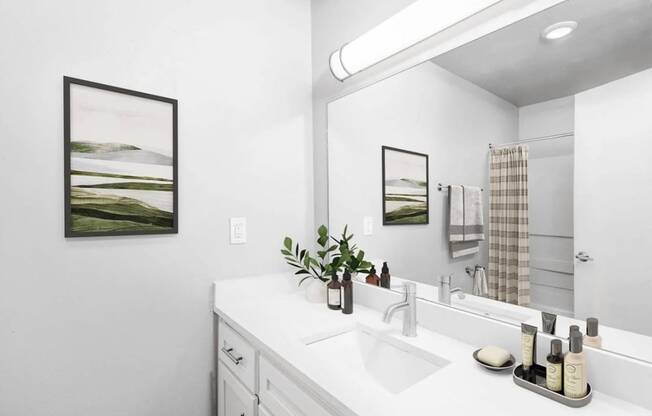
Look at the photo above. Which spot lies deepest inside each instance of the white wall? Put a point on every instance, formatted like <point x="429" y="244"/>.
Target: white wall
<point x="123" y="326"/>
<point x="613" y="202"/>
<point x="428" y="110"/>
<point x="550" y="176"/>
<point x="335" y="22"/>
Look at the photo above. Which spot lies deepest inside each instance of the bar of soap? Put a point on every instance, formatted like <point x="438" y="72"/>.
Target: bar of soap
<point x="493" y="356"/>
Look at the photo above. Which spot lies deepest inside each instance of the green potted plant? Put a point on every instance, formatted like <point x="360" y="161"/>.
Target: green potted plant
<point x="315" y="271"/>
<point x="349" y="256"/>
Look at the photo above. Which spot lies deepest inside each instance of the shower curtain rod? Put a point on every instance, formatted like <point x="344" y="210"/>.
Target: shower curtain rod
<point x="534" y="139"/>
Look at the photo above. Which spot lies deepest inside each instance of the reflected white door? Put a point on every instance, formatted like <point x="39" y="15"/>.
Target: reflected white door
<point x="613" y="203"/>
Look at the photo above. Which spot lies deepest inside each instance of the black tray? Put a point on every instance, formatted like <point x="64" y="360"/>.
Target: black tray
<point x="535" y="380"/>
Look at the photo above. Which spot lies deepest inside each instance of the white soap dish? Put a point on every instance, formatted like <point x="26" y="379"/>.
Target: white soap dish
<point x="507" y="366"/>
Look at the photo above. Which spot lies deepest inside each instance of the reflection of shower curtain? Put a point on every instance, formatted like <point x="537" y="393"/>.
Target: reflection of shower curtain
<point x="509" y="257"/>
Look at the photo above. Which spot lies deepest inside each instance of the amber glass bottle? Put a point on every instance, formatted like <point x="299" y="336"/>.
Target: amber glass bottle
<point x="373" y="278"/>
<point x="334" y="297"/>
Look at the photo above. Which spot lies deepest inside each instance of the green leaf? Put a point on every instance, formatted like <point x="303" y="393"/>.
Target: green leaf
<point x="296" y="250"/>
<point x="332" y="248"/>
<point x="315" y="271"/>
<point x="303" y="253"/>
<point x="302" y="271"/>
<point x="322" y="240"/>
<point x="288" y="243"/>
<point x="305" y="278"/>
<point x="286" y="252"/>
<point x="322" y="231"/>
<point x="360" y="256"/>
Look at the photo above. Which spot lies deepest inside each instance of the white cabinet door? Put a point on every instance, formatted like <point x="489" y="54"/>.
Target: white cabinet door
<point x="233" y="399"/>
<point x="262" y="411"/>
<point x="282" y="397"/>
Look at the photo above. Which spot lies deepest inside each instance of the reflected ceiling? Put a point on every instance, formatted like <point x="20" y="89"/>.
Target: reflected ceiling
<point x="516" y="64"/>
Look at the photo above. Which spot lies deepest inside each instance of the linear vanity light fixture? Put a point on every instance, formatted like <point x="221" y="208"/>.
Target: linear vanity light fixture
<point x="417" y="22"/>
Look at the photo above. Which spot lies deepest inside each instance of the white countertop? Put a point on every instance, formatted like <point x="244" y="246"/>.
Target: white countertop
<point x="275" y="316"/>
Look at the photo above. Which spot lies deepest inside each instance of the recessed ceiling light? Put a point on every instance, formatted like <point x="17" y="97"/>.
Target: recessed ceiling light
<point x="559" y="30"/>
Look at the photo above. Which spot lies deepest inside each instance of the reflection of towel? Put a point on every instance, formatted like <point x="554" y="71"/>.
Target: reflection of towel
<point x="465" y="226"/>
<point x="456" y="213"/>
<point x="464" y="248"/>
<point x="480" y="287"/>
<point x="473" y="221"/>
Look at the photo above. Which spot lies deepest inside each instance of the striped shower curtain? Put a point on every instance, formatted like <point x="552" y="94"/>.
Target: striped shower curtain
<point x="509" y="256"/>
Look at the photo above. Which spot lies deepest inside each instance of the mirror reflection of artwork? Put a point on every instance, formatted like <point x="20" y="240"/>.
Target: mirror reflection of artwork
<point x="405" y="187"/>
<point x="120" y="161"/>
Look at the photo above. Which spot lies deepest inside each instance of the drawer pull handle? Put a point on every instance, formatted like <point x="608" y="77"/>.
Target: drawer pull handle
<point x="229" y="353"/>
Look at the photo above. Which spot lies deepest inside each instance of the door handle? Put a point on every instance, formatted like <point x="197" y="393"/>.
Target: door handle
<point x="229" y="353"/>
<point x="583" y="257"/>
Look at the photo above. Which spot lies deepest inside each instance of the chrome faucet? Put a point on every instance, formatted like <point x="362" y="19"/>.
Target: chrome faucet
<point x="445" y="290"/>
<point x="409" y="308"/>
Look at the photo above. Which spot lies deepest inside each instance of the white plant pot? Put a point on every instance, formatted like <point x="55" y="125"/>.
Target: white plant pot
<point x="315" y="291"/>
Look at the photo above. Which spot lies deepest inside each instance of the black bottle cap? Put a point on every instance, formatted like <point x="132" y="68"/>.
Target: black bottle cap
<point x="576" y="342"/>
<point x="334" y="276"/>
<point x="346" y="276"/>
<point x="385" y="268"/>
<point x="572" y="329"/>
<point x="592" y="327"/>
<point x="373" y="269"/>
<point x="555" y="347"/>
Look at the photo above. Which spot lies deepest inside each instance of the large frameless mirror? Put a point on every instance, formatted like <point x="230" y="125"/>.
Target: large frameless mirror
<point x="511" y="176"/>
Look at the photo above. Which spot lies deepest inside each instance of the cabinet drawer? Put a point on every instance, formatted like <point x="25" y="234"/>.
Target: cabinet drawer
<point x="233" y="399"/>
<point x="238" y="355"/>
<point x="282" y="397"/>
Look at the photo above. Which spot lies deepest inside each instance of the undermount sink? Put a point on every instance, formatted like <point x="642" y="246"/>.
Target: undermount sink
<point x="391" y="363"/>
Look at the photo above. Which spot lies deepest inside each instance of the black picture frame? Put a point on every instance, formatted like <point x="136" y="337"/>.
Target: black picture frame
<point x="427" y="187"/>
<point x="69" y="232"/>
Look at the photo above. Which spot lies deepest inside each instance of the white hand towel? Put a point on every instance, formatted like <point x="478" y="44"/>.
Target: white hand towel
<point x="473" y="220"/>
<point x="455" y="213"/>
<point x="480" y="282"/>
<point x="464" y="248"/>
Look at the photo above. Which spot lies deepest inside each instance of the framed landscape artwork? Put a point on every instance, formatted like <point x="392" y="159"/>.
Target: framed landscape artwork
<point x="405" y="187"/>
<point x="120" y="161"/>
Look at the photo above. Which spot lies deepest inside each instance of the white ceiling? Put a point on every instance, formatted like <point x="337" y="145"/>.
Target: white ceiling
<point x="613" y="40"/>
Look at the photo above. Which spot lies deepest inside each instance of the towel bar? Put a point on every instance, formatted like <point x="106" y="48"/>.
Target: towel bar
<point x="441" y="187"/>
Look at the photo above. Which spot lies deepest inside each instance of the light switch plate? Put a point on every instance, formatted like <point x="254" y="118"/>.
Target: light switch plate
<point x="238" y="230"/>
<point x="368" y="225"/>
